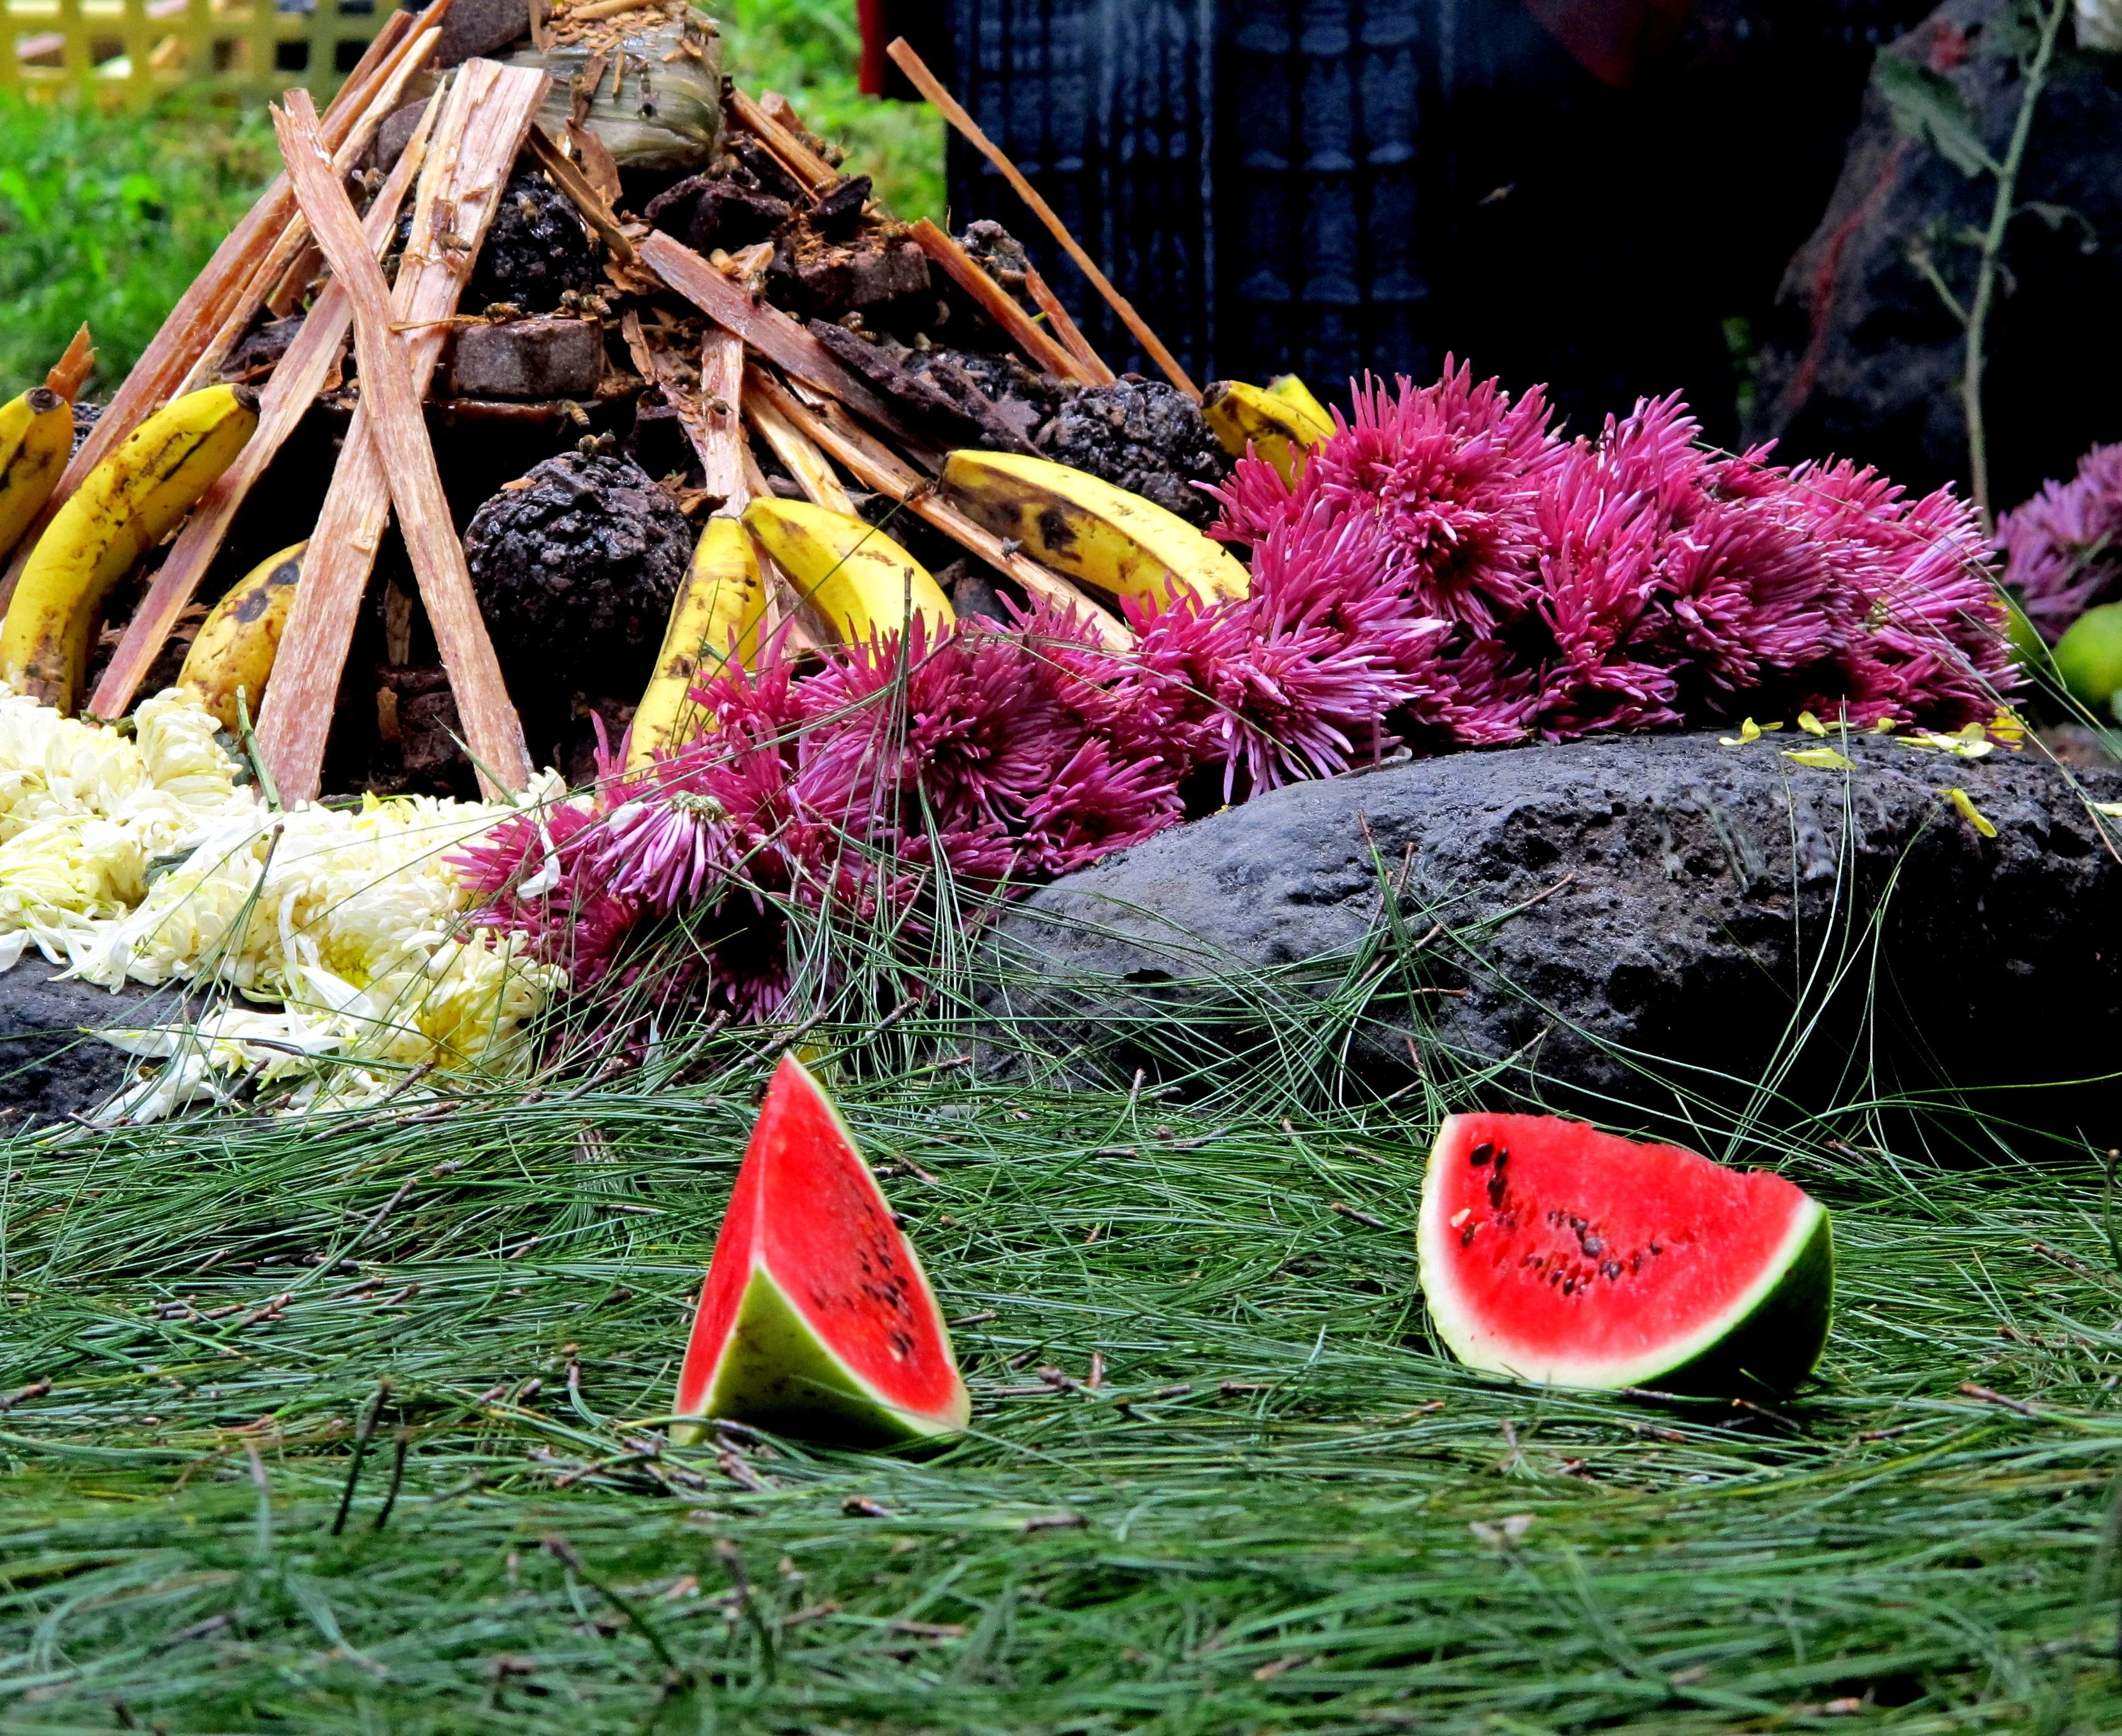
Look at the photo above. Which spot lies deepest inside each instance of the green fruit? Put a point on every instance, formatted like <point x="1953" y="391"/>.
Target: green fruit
<point x="2088" y="658"/>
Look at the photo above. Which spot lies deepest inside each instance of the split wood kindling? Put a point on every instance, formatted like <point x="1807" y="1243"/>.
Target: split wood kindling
<point x="766" y="329"/>
<point x="998" y="304"/>
<point x="398" y="433"/>
<point x="475" y="141"/>
<point x="299" y="376"/>
<point x="952" y="110"/>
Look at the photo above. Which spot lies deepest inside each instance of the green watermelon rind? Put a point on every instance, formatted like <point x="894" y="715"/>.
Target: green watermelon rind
<point x="1769" y="1338"/>
<point x="777" y="1374"/>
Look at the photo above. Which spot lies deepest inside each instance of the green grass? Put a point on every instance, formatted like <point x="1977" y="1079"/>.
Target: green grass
<point x="1280" y="1508"/>
<point x="106" y="216"/>
<point x="806" y="49"/>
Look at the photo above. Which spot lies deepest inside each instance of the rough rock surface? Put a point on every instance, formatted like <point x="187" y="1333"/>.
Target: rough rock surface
<point x="1864" y="360"/>
<point x="1142" y="435"/>
<point x="1661" y="895"/>
<point x="52" y="1064"/>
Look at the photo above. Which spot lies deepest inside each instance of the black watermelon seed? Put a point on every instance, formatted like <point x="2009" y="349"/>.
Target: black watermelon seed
<point x="1466" y="1235"/>
<point x="1481" y="1154"/>
<point x="1594" y="1247"/>
<point x="1611" y="1269"/>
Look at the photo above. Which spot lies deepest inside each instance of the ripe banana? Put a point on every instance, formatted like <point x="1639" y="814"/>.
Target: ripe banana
<point x="127" y="504"/>
<point x="36" y="439"/>
<point x="862" y="581"/>
<point x="1085" y="527"/>
<point x="716" y="616"/>
<point x="1277" y="426"/>
<point x="234" y="651"/>
<point x="1295" y="392"/>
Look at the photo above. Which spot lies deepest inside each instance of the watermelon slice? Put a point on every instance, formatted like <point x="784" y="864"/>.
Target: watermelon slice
<point x="1563" y="1255"/>
<point x="816" y="1320"/>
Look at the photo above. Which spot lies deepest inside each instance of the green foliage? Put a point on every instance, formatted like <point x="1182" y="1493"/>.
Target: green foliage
<point x="107" y="216"/>
<point x="806" y="49"/>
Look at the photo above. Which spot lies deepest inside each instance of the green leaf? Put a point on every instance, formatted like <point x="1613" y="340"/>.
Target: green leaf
<point x="14" y="188"/>
<point x="1929" y="108"/>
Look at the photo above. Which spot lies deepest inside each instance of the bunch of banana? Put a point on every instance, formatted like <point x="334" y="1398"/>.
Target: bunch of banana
<point x="124" y="506"/>
<point x="36" y="439"/>
<point x="233" y="653"/>
<point x="1281" y="421"/>
<point x="860" y="580"/>
<point x="1085" y="527"/>
<point x="715" y="616"/>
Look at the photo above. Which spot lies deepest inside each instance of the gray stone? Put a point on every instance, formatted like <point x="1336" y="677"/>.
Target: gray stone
<point x="52" y="1062"/>
<point x="1863" y="359"/>
<point x="529" y="359"/>
<point x="475" y="27"/>
<point x="1620" y="919"/>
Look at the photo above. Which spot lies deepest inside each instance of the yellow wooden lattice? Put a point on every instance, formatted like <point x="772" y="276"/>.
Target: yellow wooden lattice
<point x="136" y="48"/>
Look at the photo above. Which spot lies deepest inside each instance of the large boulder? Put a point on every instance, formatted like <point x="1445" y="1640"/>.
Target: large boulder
<point x="1616" y="919"/>
<point x="52" y="1063"/>
<point x="1864" y="360"/>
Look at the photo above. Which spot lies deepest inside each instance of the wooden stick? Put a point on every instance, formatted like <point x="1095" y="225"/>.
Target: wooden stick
<point x="723" y="452"/>
<point x="272" y="276"/>
<point x="870" y="463"/>
<point x="1064" y="328"/>
<point x="767" y="329"/>
<point x="71" y="372"/>
<point x="799" y="453"/>
<point x="810" y="169"/>
<point x="206" y="304"/>
<point x="930" y="86"/>
<point x="398" y="430"/>
<point x="287" y="398"/>
<point x="585" y="198"/>
<point x="999" y="306"/>
<point x="476" y="138"/>
<point x="709" y="413"/>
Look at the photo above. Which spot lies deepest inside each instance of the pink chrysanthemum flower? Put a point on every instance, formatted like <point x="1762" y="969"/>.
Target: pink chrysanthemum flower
<point x="2062" y="548"/>
<point x="1450" y="471"/>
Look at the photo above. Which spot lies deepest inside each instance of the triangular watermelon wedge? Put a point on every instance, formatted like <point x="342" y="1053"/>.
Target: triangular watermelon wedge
<point x="816" y="1320"/>
<point x="1570" y="1256"/>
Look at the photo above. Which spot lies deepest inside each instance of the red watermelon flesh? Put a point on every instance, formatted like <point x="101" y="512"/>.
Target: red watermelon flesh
<point x="815" y="1320"/>
<point x="1563" y="1255"/>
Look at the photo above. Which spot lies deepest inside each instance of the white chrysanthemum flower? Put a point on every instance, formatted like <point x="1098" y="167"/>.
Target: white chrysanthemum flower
<point x="139" y="858"/>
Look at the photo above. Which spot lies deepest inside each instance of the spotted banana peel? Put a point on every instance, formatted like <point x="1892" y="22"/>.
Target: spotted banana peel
<point x="125" y="506"/>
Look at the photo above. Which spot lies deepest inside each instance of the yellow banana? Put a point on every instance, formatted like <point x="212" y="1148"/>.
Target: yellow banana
<point x="860" y="581"/>
<point x="715" y="615"/>
<point x="126" y="506"/>
<point x="1278" y="428"/>
<point x="234" y="651"/>
<point x="1085" y="527"/>
<point x="1296" y="394"/>
<point x="36" y="439"/>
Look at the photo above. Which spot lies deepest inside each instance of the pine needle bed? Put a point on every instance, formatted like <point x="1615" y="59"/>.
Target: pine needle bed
<point x="1219" y="1479"/>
